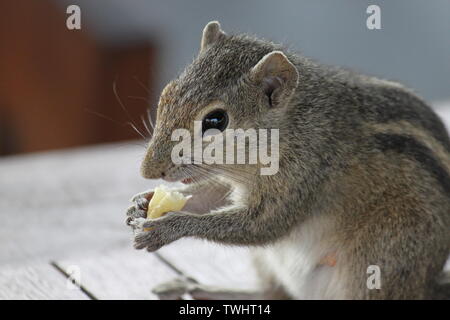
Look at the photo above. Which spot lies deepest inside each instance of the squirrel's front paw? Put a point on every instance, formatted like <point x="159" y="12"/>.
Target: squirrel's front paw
<point x="139" y="207"/>
<point x="134" y="213"/>
<point x="147" y="195"/>
<point x="156" y="233"/>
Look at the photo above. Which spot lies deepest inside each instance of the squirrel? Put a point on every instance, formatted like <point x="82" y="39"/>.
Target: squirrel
<point x="363" y="177"/>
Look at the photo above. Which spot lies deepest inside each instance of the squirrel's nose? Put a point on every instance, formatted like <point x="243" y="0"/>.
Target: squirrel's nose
<point x="152" y="170"/>
<point x="155" y="164"/>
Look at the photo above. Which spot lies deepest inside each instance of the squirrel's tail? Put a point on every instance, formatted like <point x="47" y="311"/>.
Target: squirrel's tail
<point x="442" y="289"/>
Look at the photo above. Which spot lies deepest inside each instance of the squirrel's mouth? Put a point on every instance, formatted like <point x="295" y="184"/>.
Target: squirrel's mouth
<point x="183" y="177"/>
<point x="192" y="179"/>
<point x="187" y="180"/>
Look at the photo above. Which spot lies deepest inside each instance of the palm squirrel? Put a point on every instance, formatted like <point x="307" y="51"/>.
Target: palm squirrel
<point x="363" y="176"/>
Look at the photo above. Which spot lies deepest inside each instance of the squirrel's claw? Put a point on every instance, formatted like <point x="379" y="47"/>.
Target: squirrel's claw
<point x="159" y="232"/>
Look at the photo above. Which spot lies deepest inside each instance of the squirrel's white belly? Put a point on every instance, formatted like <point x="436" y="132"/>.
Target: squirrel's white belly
<point x="295" y="262"/>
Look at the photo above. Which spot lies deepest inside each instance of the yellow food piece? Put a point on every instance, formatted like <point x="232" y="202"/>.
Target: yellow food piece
<point x="165" y="200"/>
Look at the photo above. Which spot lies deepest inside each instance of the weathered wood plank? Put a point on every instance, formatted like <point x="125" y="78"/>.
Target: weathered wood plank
<point x="121" y="274"/>
<point x="212" y="264"/>
<point x="36" y="282"/>
<point x="57" y="233"/>
<point x="69" y="205"/>
<point x="62" y="178"/>
<point x="60" y="203"/>
<point x="50" y="233"/>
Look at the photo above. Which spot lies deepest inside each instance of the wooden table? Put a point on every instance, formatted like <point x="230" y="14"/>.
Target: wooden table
<point x="63" y="215"/>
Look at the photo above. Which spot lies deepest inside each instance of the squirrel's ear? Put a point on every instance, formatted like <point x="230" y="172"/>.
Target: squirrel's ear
<point x="211" y="33"/>
<point x="277" y="76"/>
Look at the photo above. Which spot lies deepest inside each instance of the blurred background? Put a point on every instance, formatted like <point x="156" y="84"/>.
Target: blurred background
<point x="63" y="88"/>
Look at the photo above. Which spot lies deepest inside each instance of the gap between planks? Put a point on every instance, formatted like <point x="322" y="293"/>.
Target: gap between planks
<point x="120" y="274"/>
<point x="68" y="276"/>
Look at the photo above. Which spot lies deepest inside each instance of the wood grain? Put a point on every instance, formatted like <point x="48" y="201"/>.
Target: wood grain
<point x="60" y="204"/>
<point x="212" y="264"/>
<point x="36" y="282"/>
<point x="70" y="178"/>
<point x="121" y="274"/>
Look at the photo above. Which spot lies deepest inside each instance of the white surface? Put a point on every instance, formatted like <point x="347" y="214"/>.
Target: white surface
<point x="68" y="207"/>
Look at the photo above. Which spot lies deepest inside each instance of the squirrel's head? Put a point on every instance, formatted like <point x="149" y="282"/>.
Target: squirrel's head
<point x="235" y="82"/>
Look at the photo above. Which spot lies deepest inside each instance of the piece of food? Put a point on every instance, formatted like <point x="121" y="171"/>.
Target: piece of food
<point x="165" y="200"/>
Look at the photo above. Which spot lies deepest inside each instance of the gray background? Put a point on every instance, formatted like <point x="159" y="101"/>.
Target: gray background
<point x="412" y="47"/>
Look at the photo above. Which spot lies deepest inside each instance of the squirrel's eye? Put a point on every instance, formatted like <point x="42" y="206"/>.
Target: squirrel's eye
<point x="217" y="119"/>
